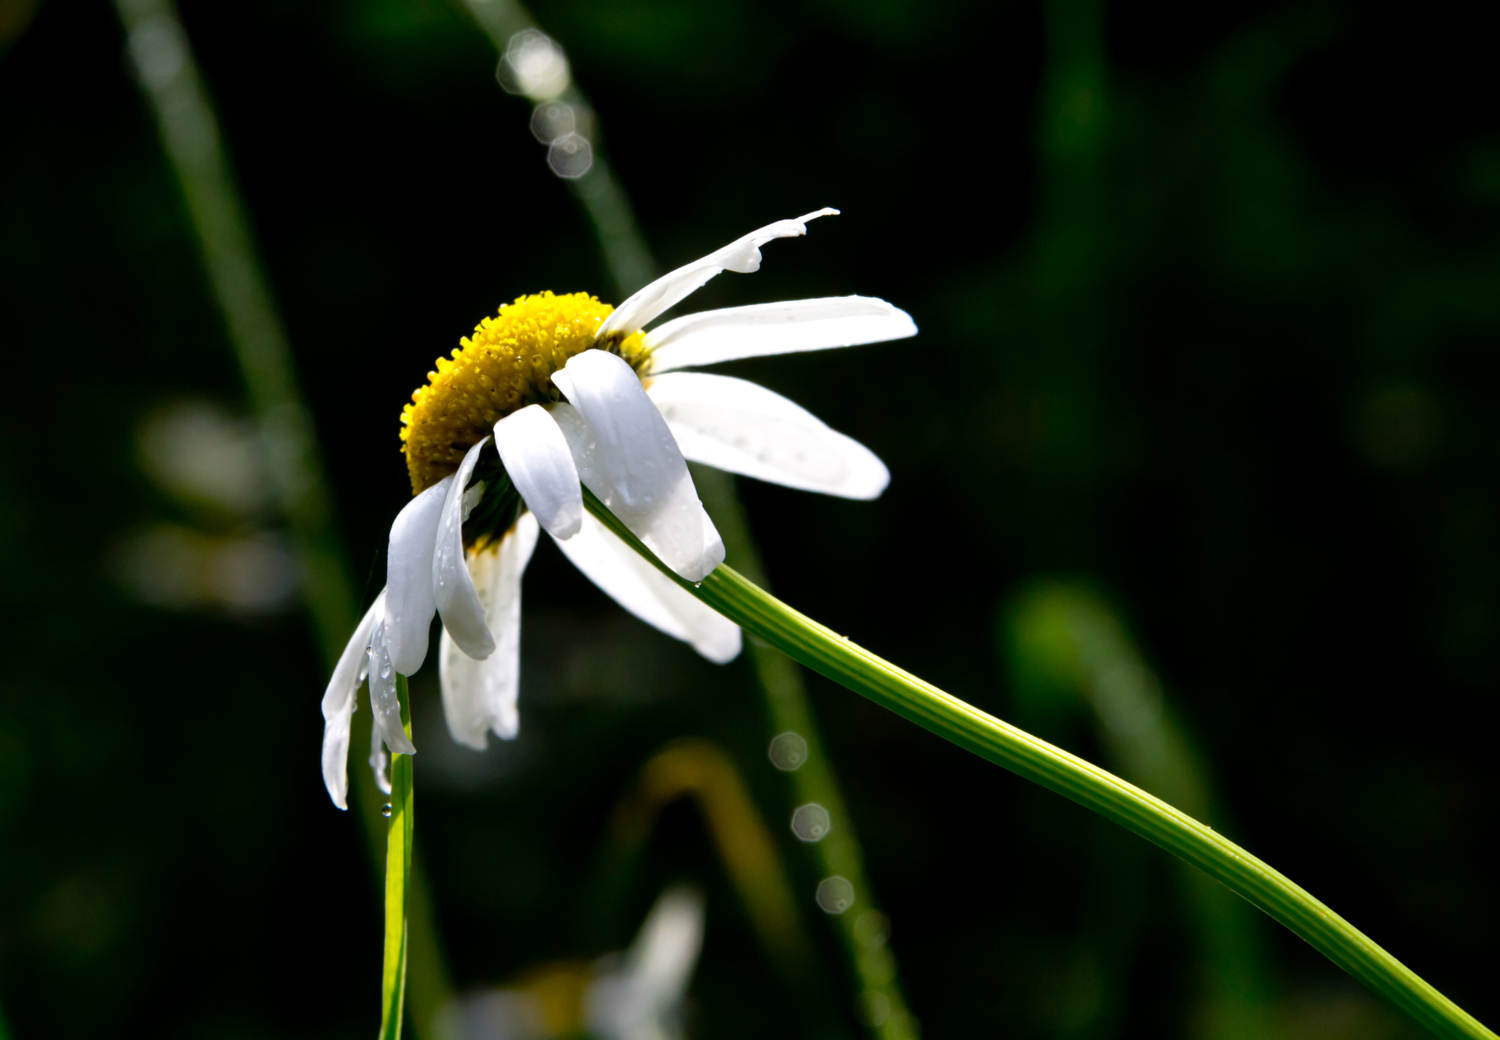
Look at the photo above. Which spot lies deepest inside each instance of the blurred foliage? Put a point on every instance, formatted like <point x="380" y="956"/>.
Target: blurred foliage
<point x="1208" y="316"/>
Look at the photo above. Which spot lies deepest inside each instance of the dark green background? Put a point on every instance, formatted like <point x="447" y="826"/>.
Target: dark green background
<point x="1219" y="338"/>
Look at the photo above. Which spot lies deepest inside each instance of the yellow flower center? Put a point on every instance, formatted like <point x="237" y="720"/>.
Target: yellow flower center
<point x="504" y="366"/>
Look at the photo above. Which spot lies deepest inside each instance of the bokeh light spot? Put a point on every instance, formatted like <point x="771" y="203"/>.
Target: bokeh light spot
<point x="811" y="822"/>
<point x="788" y="752"/>
<point x="551" y="120"/>
<point x="570" y="156"/>
<point x="835" y="894"/>
<point x="534" y="65"/>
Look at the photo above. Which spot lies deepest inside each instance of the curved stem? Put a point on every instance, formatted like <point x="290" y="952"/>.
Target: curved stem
<point x="872" y="965"/>
<point x="850" y="665"/>
<point x="397" y="873"/>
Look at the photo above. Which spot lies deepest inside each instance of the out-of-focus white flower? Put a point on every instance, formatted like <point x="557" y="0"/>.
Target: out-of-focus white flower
<point x="244" y="575"/>
<point x="641" y="997"/>
<point x="202" y="454"/>
<point x="557" y="393"/>
<point x="634" y="995"/>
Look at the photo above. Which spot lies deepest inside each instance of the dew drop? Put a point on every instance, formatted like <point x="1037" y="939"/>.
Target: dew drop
<point x="385" y="810"/>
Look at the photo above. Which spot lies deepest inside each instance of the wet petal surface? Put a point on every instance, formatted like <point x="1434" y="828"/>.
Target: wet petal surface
<point x="709" y="337"/>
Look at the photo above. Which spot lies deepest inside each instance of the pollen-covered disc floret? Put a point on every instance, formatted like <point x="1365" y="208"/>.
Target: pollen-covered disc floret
<point x="505" y="365"/>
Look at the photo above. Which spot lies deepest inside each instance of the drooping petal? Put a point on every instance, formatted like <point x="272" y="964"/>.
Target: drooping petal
<point x="452" y="588"/>
<point x="379" y="761"/>
<point x="408" y="578"/>
<point x="744" y="428"/>
<point x="649" y="594"/>
<point x="626" y="455"/>
<point x="385" y="703"/>
<point x="336" y="753"/>
<point x="348" y="673"/>
<point x="338" y="706"/>
<point x="480" y="696"/>
<point x="537" y="459"/>
<point x="742" y="255"/>
<point x="709" y="337"/>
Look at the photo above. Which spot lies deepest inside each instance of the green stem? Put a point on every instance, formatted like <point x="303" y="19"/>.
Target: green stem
<point x="850" y="665"/>
<point x="397" y="874"/>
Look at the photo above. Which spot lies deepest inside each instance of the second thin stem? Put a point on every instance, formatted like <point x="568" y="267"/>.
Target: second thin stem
<point x="397" y="875"/>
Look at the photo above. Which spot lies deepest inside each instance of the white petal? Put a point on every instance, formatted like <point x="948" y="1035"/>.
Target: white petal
<point x="384" y="701"/>
<point x="537" y="459"/>
<point x="627" y="456"/>
<point x="336" y="753"/>
<point x="641" y="998"/>
<point x="408" y="578"/>
<point x="480" y="696"/>
<point x="347" y="673"/>
<point x="744" y="428"/>
<point x="460" y="680"/>
<point x="664" y="952"/>
<point x="742" y="255"/>
<point x="709" y="337"/>
<point x="338" y="706"/>
<point x="471" y="499"/>
<point x="452" y="588"/>
<point x="379" y="760"/>
<point x="648" y="593"/>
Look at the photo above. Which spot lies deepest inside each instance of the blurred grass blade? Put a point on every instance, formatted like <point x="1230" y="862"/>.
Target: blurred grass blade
<point x="168" y="78"/>
<point x="700" y="770"/>
<point x="850" y="665"/>
<point x="862" y="929"/>
<point x="1070" y="653"/>
<point x="397" y="876"/>
<point x="595" y="190"/>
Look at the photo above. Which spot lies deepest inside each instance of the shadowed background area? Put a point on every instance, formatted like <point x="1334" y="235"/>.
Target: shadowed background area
<point x="1195" y="471"/>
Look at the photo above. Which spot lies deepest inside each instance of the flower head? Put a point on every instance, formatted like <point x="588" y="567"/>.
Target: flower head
<point x="557" y="393"/>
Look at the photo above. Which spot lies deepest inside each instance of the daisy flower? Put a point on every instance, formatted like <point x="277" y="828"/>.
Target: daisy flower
<point x="557" y="393"/>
